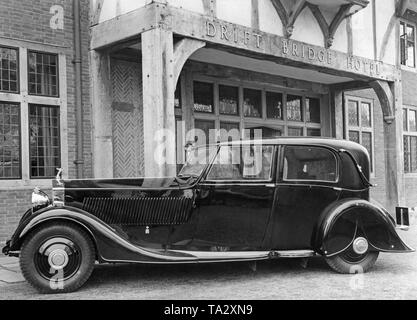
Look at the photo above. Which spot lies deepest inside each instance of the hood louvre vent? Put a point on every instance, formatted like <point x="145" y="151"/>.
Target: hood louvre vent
<point x="156" y="211"/>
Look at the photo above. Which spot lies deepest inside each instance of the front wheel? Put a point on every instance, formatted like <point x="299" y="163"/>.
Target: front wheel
<point x="355" y="259"/>
<point x="58" y="258"/>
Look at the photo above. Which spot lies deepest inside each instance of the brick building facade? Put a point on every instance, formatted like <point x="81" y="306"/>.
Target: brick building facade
<point x="287" y="67"/>
<point x="29" y="27"/>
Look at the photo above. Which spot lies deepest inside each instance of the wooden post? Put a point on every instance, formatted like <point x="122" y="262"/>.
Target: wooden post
<point x="336" y="103"/>
<point x="101" y="90"/>
<point x="394" y="156"/>
<point x="158" y="102"/>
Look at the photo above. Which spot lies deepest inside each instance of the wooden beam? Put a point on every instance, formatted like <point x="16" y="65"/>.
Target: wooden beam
<point x="401" y="7"/>
<point x="125" y="27"/>
<point x="288" y="18"/>
<point x="350" y="86"/>
<point x="97" y="12"/>
<point x="330" y="30"/>
<point x="158" y="103"/>
<point x="386" y="98"/>
<point x="255" y="14"/>
<point x="210" y="7"/>
<point x="183" y="49"/>
<point x="387" y="35"/>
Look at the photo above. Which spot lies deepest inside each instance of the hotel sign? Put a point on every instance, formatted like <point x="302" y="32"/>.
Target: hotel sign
<point x="295" y="52"/>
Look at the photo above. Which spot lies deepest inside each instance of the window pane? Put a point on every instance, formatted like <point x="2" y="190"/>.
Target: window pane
<point x="294" y="109"/>
<point x="44" y="141"/>
<point x="353" y="114"/>
<point x="354" y="136"/>
<point x="413" y="154"/>
<point x="207" y="134"/>
<point x="8" y="70"/>
<point x="43" y="74"/>
<point x="203" y="97"/>
<point x="295" y="132"/>
<point x="405" y="120"/>
<point x="274" y="105"/>
<point x="313" y="132"/>
<point x="229" y="100"/>
<point x="410" y="54"/>
<point x="238" y="163"/>
<point x="313" y="110"/>
<point x="367" y="143"/>
<point x="407" y="167"/>
<point x="177" y="98"/>
<point x="229" y="131"/>
<point x="10" y="161"/>
<point x="312" y="164"/>
<point x="252" y="103"/>
<point x="412" y="124"/>
<point x="410" y="33"/>
<point x="366" y="115"/>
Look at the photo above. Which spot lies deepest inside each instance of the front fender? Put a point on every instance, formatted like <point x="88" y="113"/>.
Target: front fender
<point x="112" y="246"/>
<point x="342" y="221"/>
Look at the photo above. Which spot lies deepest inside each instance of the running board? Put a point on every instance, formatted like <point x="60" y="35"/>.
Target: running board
<point x="293" y="254"/>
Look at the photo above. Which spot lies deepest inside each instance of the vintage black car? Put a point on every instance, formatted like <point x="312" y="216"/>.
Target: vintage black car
<point x="235" y="201"/>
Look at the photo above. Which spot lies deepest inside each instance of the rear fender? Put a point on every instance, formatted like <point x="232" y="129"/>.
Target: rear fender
<point x="342" y="221"/>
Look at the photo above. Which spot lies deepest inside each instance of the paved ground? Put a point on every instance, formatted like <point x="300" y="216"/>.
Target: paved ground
<point x="393" y="277"/>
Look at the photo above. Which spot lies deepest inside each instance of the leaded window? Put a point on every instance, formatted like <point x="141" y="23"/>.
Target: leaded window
<point x="9" y="70"/>
<point x="10" y="141"/>
<point x="43" y="74"/>
<point x="410" y="139"/>
<point x="44" y="141"/>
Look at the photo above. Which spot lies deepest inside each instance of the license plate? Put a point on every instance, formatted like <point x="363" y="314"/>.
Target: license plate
<point x="403" y="216"/>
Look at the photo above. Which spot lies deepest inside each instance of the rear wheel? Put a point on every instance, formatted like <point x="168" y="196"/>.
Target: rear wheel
<point x="58" y="258"/>
<point x="355" y="259"/>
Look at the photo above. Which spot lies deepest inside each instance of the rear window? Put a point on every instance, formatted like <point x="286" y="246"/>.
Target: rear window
<point x="309" y="164"/>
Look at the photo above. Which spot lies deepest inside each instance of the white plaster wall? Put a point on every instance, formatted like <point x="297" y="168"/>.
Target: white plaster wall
<point x="362" y="33"/>
<point x="236" y="11"/>
<point x="385" y="11"/>
<point x="191" y="5"/>
<point x="269" y="20"/>
<point x="113" y="8"/>
<point x="306" y="29"/>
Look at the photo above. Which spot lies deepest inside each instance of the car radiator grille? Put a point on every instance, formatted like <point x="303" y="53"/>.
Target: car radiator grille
<point x="140" y="211"/>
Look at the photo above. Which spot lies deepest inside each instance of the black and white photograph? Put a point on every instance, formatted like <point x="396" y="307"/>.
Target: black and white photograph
<point x="208" y="150"/>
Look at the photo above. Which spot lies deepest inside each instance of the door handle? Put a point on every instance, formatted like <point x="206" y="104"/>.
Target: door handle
<point x="270" y="185"/>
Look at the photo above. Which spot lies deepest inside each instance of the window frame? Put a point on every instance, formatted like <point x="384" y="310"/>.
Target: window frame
<point x="59" y="140"/>
<point x="298" y="181"/>
<point x="360" y="129"/>
<point x="205" y="180"/>
<point x="57" y="74"/>
<point x="17" y="68"/>
<point x="24" y="100"/>
<point x="407" y="23"/>
<point x="407" y="133"/>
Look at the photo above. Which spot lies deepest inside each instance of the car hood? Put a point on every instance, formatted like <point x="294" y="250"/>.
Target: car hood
<point x="106" y="184"/>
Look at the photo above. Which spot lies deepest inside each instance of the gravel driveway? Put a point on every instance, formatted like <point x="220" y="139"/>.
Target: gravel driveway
<point x="393" y="277"/>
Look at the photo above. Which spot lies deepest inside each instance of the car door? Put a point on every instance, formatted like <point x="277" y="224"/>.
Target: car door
<point x="307" y="183"/>
<point x="235" y="199"/>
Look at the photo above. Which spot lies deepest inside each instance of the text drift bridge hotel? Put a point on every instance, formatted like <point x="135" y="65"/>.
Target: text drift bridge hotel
<point x="338" y="68"/>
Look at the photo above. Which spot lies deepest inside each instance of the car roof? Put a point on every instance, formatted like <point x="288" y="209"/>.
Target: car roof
<point x="304" y="141"/>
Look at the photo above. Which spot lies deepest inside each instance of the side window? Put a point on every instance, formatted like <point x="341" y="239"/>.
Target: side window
<point x="309" y="164"/>
<point x="242" y="163"/>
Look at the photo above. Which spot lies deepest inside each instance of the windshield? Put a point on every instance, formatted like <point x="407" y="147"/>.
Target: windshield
<point x="197" y="160"/>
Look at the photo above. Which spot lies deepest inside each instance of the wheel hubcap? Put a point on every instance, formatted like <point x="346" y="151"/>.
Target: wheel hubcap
<point x="58" y="257"/>
<point x="360" y="245"/>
